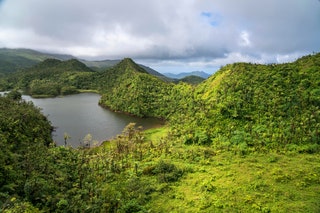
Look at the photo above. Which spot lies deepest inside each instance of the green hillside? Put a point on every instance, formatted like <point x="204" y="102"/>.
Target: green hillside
<point x="129" y="88"/>
<point x="245" y="140"/>
<point x="257" y="107"/>
<point x="12" y="60"/>
<point x="51" y="77"/>
<point x="192" y="79"/>
<point x="144" y="172"/>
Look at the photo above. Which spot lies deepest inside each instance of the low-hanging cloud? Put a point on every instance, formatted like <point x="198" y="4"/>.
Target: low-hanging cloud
<point x="190" y="31"/>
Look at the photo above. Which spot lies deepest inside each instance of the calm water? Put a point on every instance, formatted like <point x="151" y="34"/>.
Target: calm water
<point x="79" y="115"/>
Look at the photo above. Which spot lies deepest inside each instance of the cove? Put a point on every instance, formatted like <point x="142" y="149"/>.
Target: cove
<point x="79" y="115"/>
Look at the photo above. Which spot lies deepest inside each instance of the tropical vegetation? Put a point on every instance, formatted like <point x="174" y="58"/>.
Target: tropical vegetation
<point x="245" y="140"/>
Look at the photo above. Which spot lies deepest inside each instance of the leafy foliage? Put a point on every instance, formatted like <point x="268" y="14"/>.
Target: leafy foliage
<point x="257" y="106"/>
<point x="128" y="88"/>
<point x="244" y="140"/>
<point x="12" y="60"/>
<point x="25" y="135"/>
<point x="192" y="79"/>
<point x="52" y="78"/>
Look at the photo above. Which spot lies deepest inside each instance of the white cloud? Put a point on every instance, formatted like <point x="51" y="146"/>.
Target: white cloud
<point x="200" y="34"/>
<point x="244" y="39"/>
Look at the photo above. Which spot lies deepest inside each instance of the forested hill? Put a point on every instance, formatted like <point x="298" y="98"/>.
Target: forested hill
<point x="129" y="88"/>
<point x="51" y="77"/>
<point x="192" y="79"/>
<point x="12" y="60"/>
<point x="182" y="75"/>
<point x="256" y="106"/>
<point x="106" y="64"/>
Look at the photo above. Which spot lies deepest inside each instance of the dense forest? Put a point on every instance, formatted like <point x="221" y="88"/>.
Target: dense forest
<point x="247" y="139"/>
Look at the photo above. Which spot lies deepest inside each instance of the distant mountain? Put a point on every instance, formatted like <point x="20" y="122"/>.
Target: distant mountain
<point x="100" y="65"/>
<point x="50" y="77"/>
<point x="185" y="74"/>
<point x="155" y="73"/>
<point x="192" y="79"/>
<point x="12" y="60"/>
<point x="105" y="64"/>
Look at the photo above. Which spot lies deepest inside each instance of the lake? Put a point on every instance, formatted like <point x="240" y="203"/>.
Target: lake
<point x="79" y="115"/>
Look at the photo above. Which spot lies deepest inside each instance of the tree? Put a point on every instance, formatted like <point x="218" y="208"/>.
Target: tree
<point x="14" y="95"/>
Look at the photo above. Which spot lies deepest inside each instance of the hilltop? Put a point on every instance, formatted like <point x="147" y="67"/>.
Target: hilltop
<point x="130" y="88"/>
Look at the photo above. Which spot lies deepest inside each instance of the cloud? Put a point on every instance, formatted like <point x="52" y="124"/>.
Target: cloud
<point x="186" y="32"/>
<point x="244" y="39"/>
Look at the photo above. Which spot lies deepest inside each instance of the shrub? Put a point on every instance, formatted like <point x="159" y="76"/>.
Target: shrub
<point x="167" y="172"/>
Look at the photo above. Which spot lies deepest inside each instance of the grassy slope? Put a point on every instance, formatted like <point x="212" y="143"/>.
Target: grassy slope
<point x="214" y="181"/>
<point x="230" y="183"/>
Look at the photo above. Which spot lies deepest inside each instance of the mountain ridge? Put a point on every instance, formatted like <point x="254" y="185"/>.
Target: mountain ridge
<point x="181" y="75"/>
<point x="12" y="60"/>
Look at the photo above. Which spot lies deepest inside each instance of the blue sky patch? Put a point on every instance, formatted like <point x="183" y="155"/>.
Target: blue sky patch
<point x="204" y="14"/>
<point x="214" y="19"/>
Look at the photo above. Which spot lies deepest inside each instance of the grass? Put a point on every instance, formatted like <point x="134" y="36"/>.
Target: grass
<point x="215" y="181"/>
<point x="156" y="134"/>
<point x="88" y="91"/>
<point x="254" y="183"/>
<point x="228" y="182"/>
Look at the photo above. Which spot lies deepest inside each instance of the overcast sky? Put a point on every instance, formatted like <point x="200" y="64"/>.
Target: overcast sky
<point x="167" y="35"/>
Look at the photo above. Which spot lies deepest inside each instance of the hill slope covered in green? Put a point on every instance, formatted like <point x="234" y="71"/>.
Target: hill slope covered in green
<point x="134" y="90"/>
<point x="12" y="60"/>
<point x="192" y="79"/>
<point x="144" y="172"/>
<point x="51" y="77"/>
<point x="256" y="106"/>
<point x="244" y="140"/>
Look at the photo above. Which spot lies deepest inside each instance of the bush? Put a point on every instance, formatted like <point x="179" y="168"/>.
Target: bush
<point x="132" y="206"/>
<point x="167" y="172"/>
<point x="68" y="90"/>
<point x="307" y="148"/>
